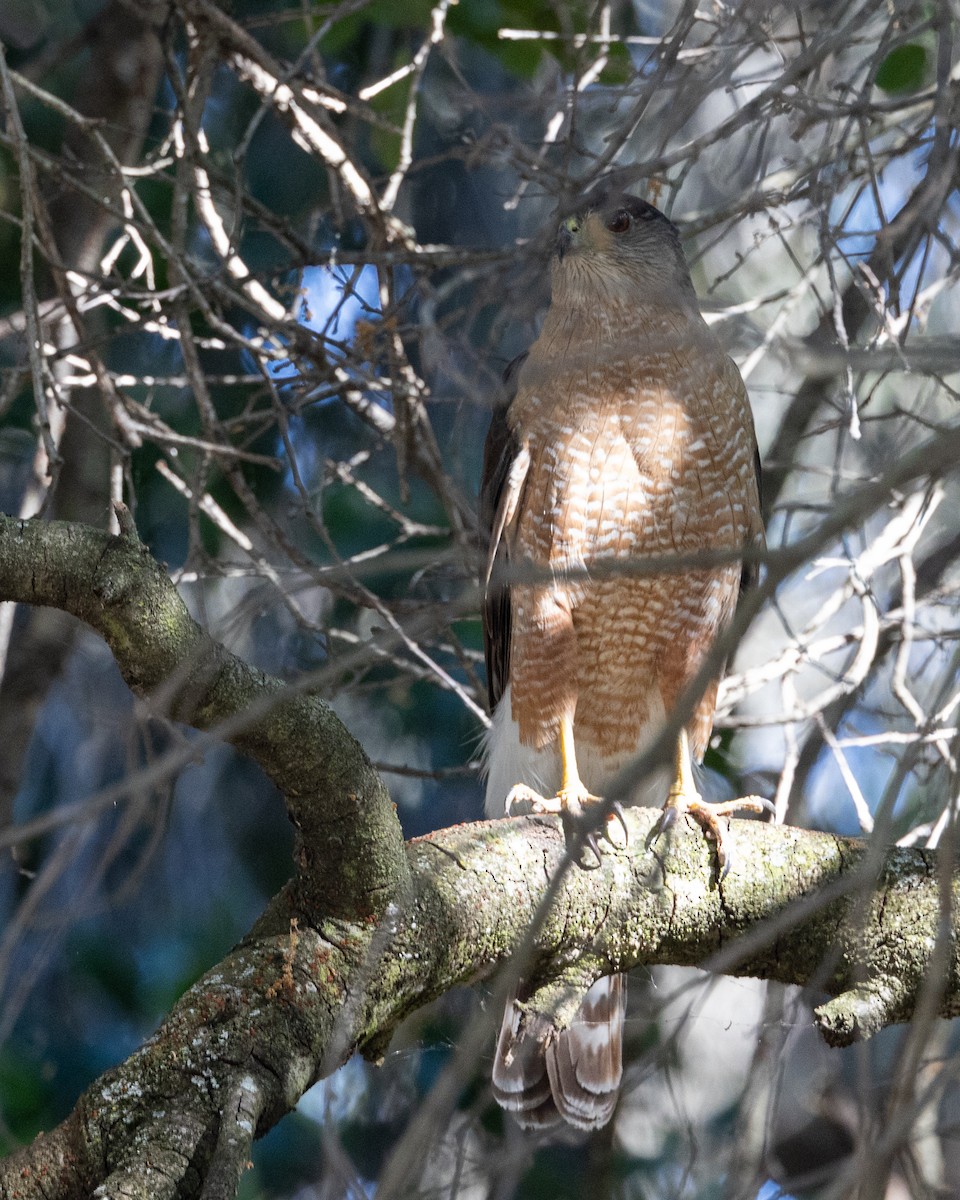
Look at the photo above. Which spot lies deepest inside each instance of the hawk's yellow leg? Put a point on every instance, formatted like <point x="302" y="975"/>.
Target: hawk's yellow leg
<point x="683" y="797"/>
<point x="572" y="795"/>
<point x="572" y="798"/>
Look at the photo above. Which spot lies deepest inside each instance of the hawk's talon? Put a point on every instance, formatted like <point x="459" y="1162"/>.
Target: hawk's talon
<point x="616" y="813"/>
<point x="754" y="804"/>
<point x="590" y="840"/>
<point x="683" y="797"/>
<point x="571" y="805"/>
<point x="668" y="818"/>
<point x="709" y="817"/>
<point x="522" y="801"/>
<point x="728" y="808"/>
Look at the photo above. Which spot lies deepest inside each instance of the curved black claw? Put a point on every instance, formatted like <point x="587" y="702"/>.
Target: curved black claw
<point x="616" y="810"/>
<point x="591" y="841"/>
<point x="579" y="839"/>
<point x="668" y="818"/>
<point x="575" y="829"/>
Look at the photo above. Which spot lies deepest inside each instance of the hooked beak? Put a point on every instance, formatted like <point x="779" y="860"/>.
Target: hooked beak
<point x="567" y="235"/>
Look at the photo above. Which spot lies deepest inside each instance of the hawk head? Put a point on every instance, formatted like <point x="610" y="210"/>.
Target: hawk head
<point x="617" y="245"/>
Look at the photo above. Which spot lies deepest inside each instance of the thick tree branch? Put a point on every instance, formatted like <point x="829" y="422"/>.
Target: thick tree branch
<point x="335" y="798"/>
<point x="263" y="1022"/>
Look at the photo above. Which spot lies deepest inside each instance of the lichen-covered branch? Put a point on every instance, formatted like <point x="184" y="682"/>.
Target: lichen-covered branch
<point x="247" y="1040"/>
<point x="336" y="800"/>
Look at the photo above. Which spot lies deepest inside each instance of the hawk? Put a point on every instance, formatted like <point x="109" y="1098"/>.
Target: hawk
<point x="625" y="431"/>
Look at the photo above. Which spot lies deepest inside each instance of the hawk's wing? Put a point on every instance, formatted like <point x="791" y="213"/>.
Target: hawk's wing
<point x="750" y="572"/>
<point x="505" y="463"/>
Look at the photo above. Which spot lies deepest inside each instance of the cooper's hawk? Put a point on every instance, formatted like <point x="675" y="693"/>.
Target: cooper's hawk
<point x="626" y="432"/>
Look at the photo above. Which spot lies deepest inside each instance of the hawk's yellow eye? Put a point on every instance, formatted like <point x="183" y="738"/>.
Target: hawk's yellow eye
<point x="620" y="221"/>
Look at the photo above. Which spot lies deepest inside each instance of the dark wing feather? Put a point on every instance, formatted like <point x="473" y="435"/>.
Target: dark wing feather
<point x="750" y="572"/>
<point x="499" y="455"/>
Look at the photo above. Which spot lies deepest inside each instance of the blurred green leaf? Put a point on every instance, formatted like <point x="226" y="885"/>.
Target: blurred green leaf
<point x="619" y="68"/>
<point x="350" y="37"/>
<point x="110" y="966"/>
<point x="25" y="1100"/>
<point x="903" y="70"/>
